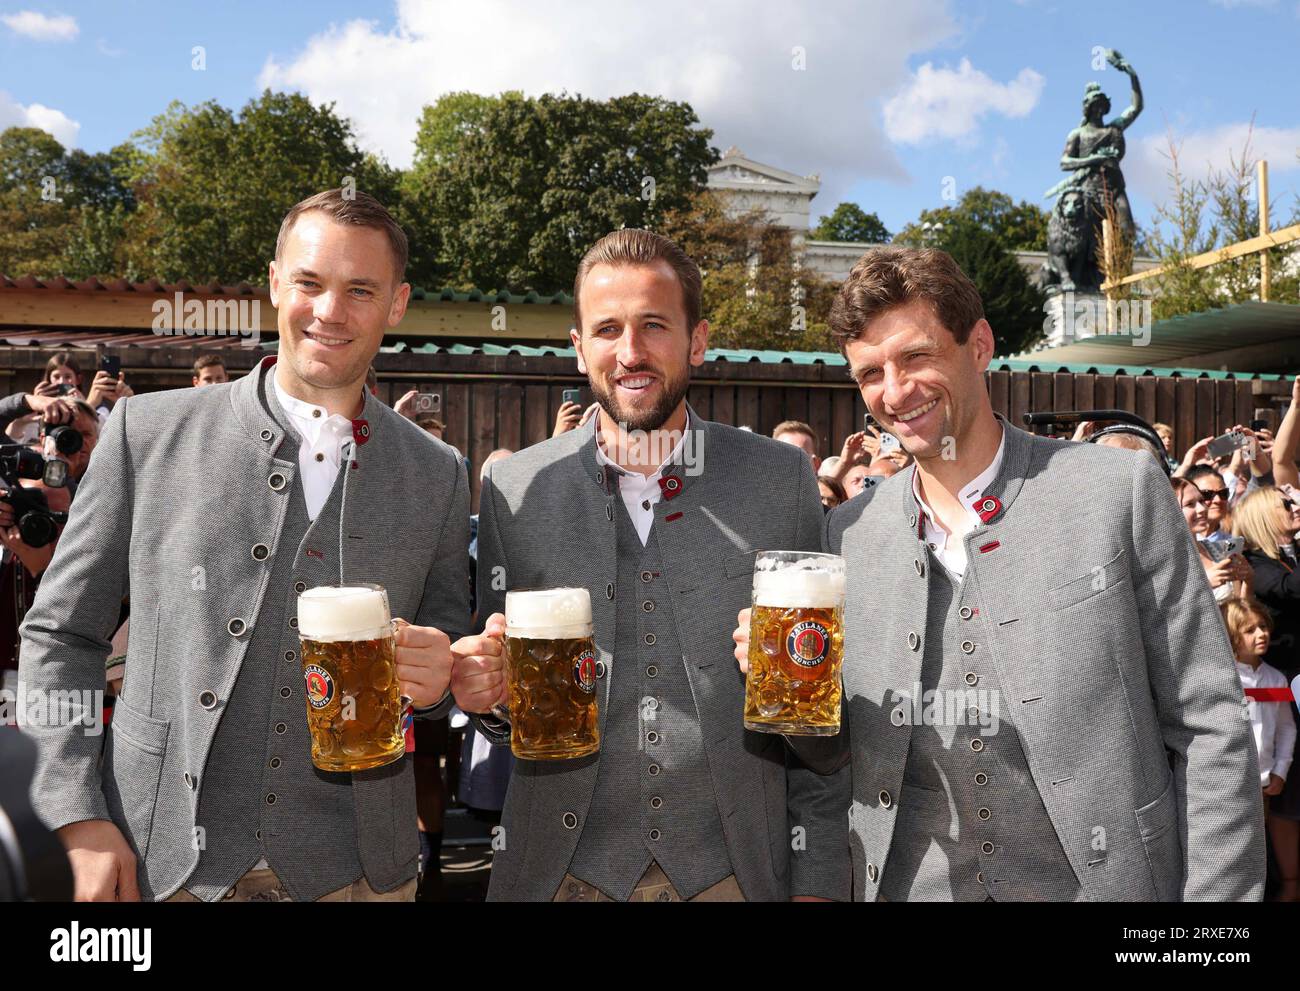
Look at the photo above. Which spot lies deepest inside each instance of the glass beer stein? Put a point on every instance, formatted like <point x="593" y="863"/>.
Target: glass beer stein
<point x="796" y="644"/>
<point x="551" y="669"/>
<point x="354" y="700"/>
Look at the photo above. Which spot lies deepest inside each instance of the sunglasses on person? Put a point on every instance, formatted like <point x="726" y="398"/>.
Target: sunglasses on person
<point x="1288" y="504"/>
<point x="1209" y="495"/>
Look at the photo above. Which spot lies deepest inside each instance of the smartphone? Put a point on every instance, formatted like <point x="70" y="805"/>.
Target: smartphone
<point x="571" y="396"/>
<point x="868" y="421"/>
<point x="428" y="402"/>
<point x="1220" y="550"/>
<point x="888" y="442"/>
<point x="111" y="364"/>
<point x="1258" y="424"/>
<point x="65" y="388"/>
<point x="1225" y="444"/>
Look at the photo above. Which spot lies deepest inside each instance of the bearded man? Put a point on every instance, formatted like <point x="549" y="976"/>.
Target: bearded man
<point x="659" y="514"/>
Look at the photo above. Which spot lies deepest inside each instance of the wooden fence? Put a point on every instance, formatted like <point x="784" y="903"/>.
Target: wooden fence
<point x="510" y="401"/>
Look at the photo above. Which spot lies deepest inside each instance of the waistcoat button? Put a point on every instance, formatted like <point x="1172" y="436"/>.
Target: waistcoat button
<point x="971" y="677"/>
<point x="885" y="800"/>
<point x="208" y="700"/>
<point x="977" y="744"/>
<point x="277" y="482"/>
<point x="967" y="647"/>
<point x="570" y="820"/>
<point x="913" y="641"/>
<point x="650" y="639"/>
<point x="872" y="873"/>
<point x="261" y="552"/>
<point x="985" y="814"/>
<point x="964" y="612"/>
<point x="986" y="847"/>
<point x="236" y="626"/>
<point x="981" y="778"/>
<point x="299" y="586"/>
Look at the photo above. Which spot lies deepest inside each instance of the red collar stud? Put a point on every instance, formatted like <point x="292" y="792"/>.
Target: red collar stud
<point x="360" y="431"/>
<point x="670" y="486"/>
<point x="987" y="507"/>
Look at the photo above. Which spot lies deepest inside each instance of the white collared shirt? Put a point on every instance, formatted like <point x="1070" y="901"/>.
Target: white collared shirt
<point x="1274" y="726"/>
<point x="950" y="549"/>
<point x="640" y="492"/>
<point x="321" y="451"/>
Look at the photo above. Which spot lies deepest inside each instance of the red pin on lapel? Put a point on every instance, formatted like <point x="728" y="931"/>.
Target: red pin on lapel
<point x="360" y="431"/>
<point x="670" y="485"/>
<point x="988" y="507"/>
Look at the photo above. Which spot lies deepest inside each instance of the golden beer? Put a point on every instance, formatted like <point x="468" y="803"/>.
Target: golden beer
<point x="796" y="644"/>
<point x="354" y="700"/>
<point x="551" y="667"/>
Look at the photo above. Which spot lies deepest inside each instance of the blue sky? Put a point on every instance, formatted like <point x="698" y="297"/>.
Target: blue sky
<point x="881" y="107"/>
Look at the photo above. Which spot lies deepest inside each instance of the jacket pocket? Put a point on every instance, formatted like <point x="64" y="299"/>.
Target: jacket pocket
<point x="1158" y="828"/>
<point x="739" y="565"/>
<point x="132" y="771"/>
<point x="1093" y="582"/>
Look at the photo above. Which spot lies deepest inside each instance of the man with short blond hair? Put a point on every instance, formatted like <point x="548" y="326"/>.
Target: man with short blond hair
<point x="210" y="369"/>
<point x="206" y="789"/>
<point x="802" y="436"/>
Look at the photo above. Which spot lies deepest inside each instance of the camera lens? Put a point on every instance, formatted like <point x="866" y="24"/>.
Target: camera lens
<point x="37" y="528"/>
<point x="67" y="440"/>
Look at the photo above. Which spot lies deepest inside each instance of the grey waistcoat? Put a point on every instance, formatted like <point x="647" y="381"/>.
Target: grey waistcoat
<point x="968" y="797"/>
<point x="654" y="798"/>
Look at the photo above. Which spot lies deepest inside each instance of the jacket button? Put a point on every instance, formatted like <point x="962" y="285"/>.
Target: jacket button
<point x="656" y="802"/>
<point x="266" y="435"/>
<point x="971" y="678"/>
<point x="872" y="873"/>
<point x="280" y="729"/>
<point x="898" y="717"/>
<point x="600" y="480"/>
<point x="913" y="641"/>
<point x="236" y="626"/>
<point x="270" y="799"/>
<point x="275" y="763"/>
<point x="189" y="781"/>
<point x="652" y="737"/>
<point x="600" y="669"/>
<point x="967" y="647"/>
<point x="609" y="590"/>
<point x="885" y="800"/>
<point x="261" y="552"/>
<point x="985" y="815"/>
<point x="920" y="568"/>
<point x="911" y="519"/>
<point x="285" y="692"/>
<point x="293" y="623"/>
<point x="964" y="612"/>
<point x="277" y="482"/>
<point x="570" y="820"/>
<point x="648" y="606"/>
<point x="257" y="834"/>
<point x="652" y="671"/>
<point x="653" y="769"/>
<point x="977" y="744"/>
<point x="289" y="655"/>
<point x="979" y="876"/>
<point x="650" y="639"/>
<point x="655" y="834"/>
<point x="300" y="586"/>
<point x="609" y="512"/>
<point x="646" y="576"/>
<point x="986" y="847"/>
<point x="208" y="700"/>
<point x="981" y="778"/>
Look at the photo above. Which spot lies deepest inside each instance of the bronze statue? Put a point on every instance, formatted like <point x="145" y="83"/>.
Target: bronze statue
<point x="1093" y="152"/>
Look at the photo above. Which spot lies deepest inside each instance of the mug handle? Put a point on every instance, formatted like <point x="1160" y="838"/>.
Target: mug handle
<point x="405" y="701"/>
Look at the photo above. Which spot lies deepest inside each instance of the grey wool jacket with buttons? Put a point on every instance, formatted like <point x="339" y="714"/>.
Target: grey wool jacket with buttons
<point x="1092" y="610"/>
<point x="548" y="518"/>
<point x="183" y="506"/>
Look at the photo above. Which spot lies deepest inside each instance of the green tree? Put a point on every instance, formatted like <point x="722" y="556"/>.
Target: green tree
<point x="756" y="294"/>
<point x="511" y="191"/>
<point x="1019" y="226"/>
<point x="849" y="222"/>
<point x="213" y="186"/>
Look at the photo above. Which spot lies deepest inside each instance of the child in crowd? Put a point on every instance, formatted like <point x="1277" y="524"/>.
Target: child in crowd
<point x="1250" y="630"/>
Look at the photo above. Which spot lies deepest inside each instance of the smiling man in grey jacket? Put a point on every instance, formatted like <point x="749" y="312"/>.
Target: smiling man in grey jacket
<point x="1040" y="702"/>
<point x="213" y="508"/>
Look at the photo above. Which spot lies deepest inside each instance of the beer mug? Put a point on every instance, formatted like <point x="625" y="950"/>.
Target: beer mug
<point x="354" y="700"/>
<point x="796" y="644"/>
<point x="551" y="668"/>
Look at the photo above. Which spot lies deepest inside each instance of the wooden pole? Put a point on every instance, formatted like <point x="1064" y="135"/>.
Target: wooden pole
<point x="1264" y="272"/>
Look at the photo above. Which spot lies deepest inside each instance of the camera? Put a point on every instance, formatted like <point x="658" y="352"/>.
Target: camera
<point x="37" y="525"/>
<point x="428" y="402"/>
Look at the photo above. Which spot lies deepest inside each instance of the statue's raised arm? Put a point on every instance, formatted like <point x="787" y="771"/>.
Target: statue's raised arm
<point x="1131" y="113"/>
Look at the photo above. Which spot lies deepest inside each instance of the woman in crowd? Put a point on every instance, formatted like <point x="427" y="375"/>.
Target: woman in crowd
<point x="1269" y="520"/>
<point x="832" y="492"/>
<point x="1229" y="577"/>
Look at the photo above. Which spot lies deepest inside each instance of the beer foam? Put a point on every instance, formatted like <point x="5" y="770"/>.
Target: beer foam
<point x="549" y="614"/>
<point x="799" y="587"/>
<point x="351" y="612"/>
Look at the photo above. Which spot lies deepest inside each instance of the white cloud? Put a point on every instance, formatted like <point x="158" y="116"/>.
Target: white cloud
<point x="39" y="27"/>
<point x="731" y="59"/>
<point x="55" y="122"/>
<point x="948" y="103"/>
<point x="1147" y="164"/>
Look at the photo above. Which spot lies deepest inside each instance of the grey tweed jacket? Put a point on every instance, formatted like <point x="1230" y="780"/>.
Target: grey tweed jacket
<point x="1108" y="648"/>
<point x="180" y="489"/>
<point x="547" y="520"/>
